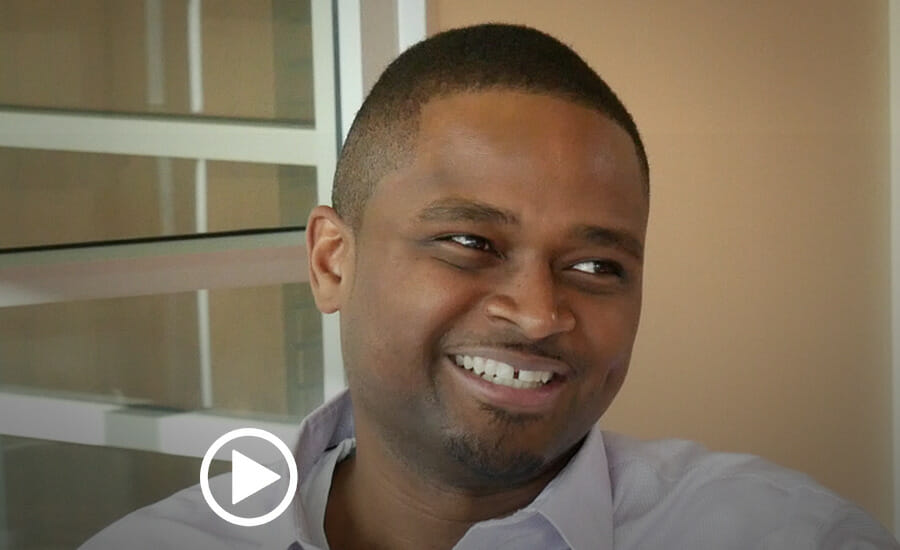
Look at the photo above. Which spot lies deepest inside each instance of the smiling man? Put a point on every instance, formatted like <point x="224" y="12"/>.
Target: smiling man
<point x="489" y="290"/>
<point x="485" y="252"/>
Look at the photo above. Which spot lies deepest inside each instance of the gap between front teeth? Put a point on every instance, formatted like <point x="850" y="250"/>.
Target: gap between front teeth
<point x="503" y="374"/>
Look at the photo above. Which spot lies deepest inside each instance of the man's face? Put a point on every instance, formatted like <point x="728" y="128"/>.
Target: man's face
<point x="511" y="243"/>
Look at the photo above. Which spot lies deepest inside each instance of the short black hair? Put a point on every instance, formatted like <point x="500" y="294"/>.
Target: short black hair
<point x="469" y="59"/>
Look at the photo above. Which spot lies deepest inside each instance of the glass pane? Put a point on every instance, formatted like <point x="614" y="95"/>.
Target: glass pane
<point x="133" y="57"/>
<point x="40" y="480"/>
<point x="52" y="197"/>
<point x="265" y="349"/>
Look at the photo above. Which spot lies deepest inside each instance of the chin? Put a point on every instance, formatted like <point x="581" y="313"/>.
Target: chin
<point x="490" y="464"/>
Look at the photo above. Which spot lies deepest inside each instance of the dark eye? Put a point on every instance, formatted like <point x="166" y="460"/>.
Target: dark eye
<point x="599" y="267"/>
<point x="472" y="241"/>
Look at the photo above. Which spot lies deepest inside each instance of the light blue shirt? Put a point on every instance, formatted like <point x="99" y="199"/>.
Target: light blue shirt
<point x="616" y="493"/>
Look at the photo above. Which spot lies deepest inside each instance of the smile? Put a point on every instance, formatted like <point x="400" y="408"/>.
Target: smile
<point x="503" y="374"/>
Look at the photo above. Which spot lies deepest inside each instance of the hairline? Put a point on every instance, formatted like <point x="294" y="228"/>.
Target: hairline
<point x="408" y="130"/>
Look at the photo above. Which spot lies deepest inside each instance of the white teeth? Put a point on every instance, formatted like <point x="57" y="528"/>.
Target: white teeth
<point x="478" y="366"/>
<point x="505" y="371"/>
<point x="529" y="376"/>
<point x="502" y="373"/>
<point x="486" y="366"/>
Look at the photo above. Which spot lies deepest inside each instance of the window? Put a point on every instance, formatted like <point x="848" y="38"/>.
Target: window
<point x="158" y="159"/>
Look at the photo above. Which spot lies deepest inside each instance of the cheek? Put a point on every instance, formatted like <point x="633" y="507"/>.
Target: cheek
<point x="610" y="333"/>
<point x="398" y="313"/>
<point x="610" y="327"/>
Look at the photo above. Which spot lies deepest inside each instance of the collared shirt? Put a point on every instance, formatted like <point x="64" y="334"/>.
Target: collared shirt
<point x="616" y="493"/>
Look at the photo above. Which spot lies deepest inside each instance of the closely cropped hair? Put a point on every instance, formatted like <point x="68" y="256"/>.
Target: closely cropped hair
<point x="482" y="57"/>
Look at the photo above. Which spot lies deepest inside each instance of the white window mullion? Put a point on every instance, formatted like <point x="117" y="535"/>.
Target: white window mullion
<point x="325" y="93"/>
<point x="205" y="139"/>
<point x="85" y="421"/>
<point x="410" y="23"/>
<point x="109" y="271"/>
<point x="351" y="62"/>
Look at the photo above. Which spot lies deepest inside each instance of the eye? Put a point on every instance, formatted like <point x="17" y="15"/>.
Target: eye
<point x="472" y="241"/>
<point x="600" y="267"/>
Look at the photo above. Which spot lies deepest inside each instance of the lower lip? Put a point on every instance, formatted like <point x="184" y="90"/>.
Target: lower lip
<point x="519" y="400"/>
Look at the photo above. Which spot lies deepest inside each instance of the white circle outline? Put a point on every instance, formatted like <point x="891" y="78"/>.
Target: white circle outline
<point x="204" y="477"/>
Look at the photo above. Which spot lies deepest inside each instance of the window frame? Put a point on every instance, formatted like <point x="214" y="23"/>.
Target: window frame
<point x="165" y="265"/>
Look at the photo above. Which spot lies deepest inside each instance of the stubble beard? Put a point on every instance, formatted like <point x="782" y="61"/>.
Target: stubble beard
<point x="487" y="460"/>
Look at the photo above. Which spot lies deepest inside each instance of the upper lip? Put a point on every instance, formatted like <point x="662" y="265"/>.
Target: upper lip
<point x="517" y="359"/>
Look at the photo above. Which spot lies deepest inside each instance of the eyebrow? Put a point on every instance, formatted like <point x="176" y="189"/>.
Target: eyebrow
<point x="455" y="209"/>
<point x="604" y="236"/>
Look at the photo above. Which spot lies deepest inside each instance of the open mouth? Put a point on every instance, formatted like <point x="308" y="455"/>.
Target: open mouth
<point x="500" y="373"/>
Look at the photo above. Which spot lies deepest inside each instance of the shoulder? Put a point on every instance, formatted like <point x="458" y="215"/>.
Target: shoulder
<point x="179" y="521"/>
<point x="184" y="520"/>
<point x="677" y="490"/>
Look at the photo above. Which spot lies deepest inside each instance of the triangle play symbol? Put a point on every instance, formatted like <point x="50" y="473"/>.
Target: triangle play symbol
<point x="248" y="477"/>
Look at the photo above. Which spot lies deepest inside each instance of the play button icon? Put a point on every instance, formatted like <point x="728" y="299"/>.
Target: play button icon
<point x="248" y="477"/>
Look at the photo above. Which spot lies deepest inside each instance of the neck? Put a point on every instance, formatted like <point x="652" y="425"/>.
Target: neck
<point x="377" y="501"/>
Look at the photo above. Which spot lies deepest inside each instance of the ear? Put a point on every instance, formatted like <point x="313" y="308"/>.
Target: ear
<point x="329" y="248"/>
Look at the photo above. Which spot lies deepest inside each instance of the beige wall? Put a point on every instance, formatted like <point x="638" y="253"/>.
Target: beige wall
<point x="765" y="324"/>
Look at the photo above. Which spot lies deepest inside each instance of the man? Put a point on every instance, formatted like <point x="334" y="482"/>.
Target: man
<point x="485" y="251"/>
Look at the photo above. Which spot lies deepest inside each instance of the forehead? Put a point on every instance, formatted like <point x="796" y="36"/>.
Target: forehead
<point x="512" y="119"/>
<point x="532" y="153"/>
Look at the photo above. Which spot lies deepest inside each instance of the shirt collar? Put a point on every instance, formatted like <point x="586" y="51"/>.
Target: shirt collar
<point x="323" y="429"/>
<point x="577" y="502"/>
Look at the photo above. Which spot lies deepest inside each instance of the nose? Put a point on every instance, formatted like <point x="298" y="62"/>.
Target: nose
<point x="529" y="299"/>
